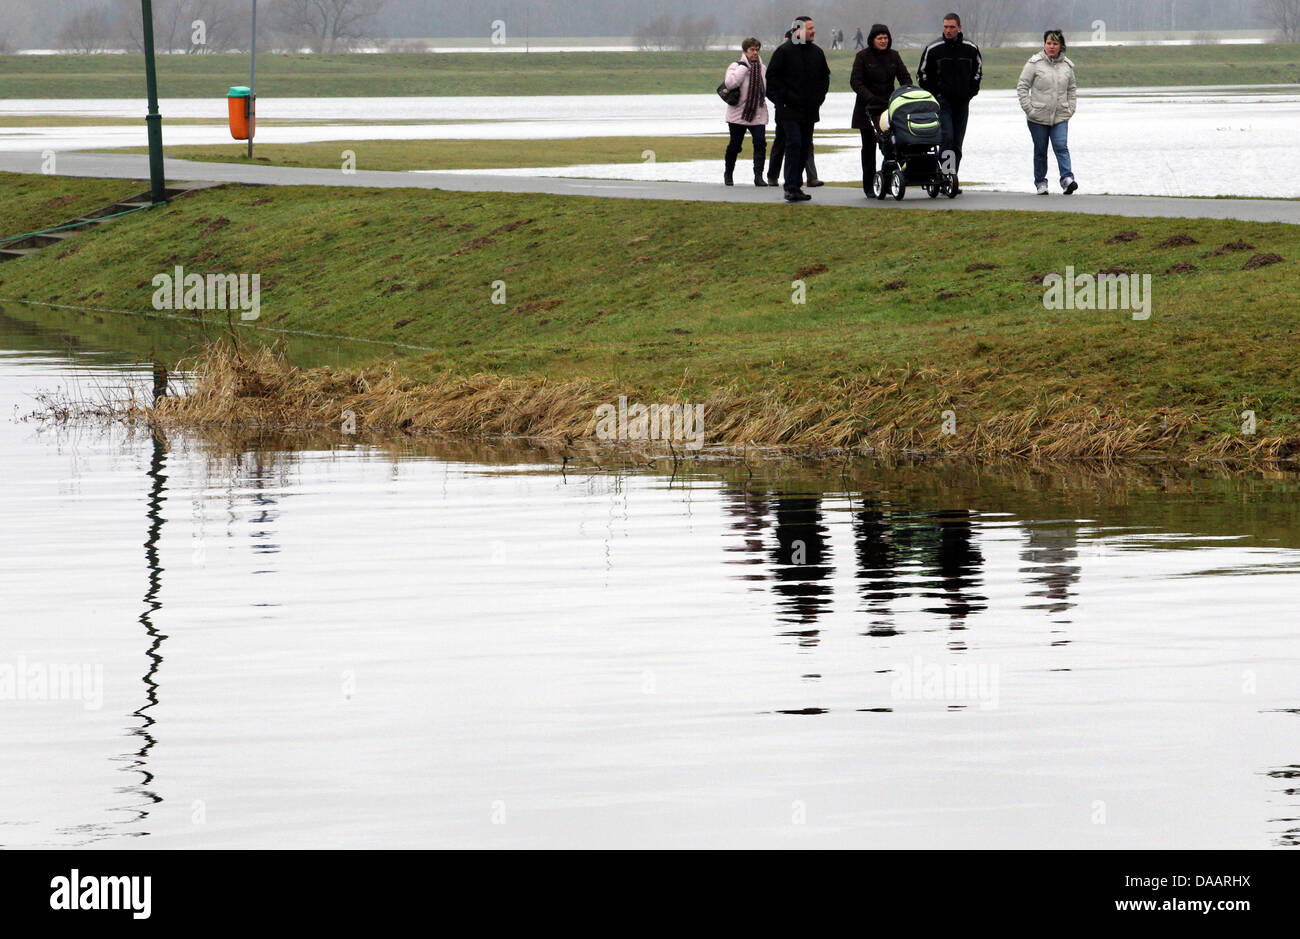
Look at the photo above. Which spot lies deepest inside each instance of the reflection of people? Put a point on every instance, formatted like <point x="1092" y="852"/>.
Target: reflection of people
<point x="875" y="70"/>
<point x="749" y="114"/>
<point x="1050" y="555"/>
<point x="951" y="69"/>
<point x="1048" y="93"/>
<point x="801" y="562"/>
<point x="798" y="80"/>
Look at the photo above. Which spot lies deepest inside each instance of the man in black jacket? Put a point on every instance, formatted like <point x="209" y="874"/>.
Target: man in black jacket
<point x="798" y="80"/>
<point x="951" y="69"/>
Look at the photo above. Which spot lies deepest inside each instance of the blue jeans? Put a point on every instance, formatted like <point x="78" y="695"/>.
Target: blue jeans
<point x="1059" y="135"/>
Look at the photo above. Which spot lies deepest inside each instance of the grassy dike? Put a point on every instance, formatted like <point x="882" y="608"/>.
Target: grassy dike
<point x="908" y="315"/>
<point x="591" y="73"/>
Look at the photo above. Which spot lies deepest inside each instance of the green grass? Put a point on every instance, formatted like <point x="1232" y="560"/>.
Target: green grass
<point x="466" y="154"/>
<point x="36" y="202"/>
<point x="597" y="73"/>
<point x="665" y="297"/>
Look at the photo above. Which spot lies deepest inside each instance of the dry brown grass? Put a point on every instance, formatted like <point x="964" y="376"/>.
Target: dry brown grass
<point x="889" y="413"/>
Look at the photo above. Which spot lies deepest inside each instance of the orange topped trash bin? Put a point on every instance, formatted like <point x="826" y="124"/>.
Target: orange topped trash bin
<point x="243" y="113"/>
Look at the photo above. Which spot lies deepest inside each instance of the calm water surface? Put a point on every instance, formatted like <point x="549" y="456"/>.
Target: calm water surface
<point x="454" y="645"/>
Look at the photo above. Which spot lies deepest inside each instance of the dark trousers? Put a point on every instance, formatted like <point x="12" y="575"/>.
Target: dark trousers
<point x="869" y="150"/>
<point x="953" y="117"/>
<point x="798" y="151"/>
<point x="738" y="132"/>
<point x="778" y="157"/>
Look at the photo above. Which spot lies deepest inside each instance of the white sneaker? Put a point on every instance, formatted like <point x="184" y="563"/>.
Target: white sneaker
<point x="1069" y="185"/>
<point x="1042" y="188"/>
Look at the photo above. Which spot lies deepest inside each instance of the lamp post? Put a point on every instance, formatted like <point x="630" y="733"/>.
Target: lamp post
<point x="158" y="184"/>
<point x="252" y="81"/>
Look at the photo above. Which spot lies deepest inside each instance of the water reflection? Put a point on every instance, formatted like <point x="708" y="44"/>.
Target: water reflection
<point x="138" y="761"/>
<point x="801" y="567"/>
<point x="481" y="678"/>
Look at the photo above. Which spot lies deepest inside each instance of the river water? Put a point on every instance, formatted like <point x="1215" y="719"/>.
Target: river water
<point x="334" y="642"/>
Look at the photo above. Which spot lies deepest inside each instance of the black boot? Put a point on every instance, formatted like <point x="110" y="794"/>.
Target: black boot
<point x="760" y="162"/>
<point x="729" y="177"/>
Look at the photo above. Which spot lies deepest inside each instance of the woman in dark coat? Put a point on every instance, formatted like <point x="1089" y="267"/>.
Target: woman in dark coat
<point x="875" y="70"/>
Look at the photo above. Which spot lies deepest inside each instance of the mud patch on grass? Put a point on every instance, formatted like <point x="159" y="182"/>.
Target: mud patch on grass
<point x="980" y="266"/>
<point x="1262" y="260"/>
<point x="474" y="244"/>
<point x="1229" y="248"/>
<point x="540" y="306"/>
<point x="811" y="271"/>
<point x="1178" y="241"/>
<point x="1123" y="237"/>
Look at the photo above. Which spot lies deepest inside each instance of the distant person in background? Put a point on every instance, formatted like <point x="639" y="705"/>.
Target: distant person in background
<point x="876" y="70"/>
<point x="749" y="115"/>
<point x="836" y="35"/>
<point x="798" y="80"/>
<point x="857" y="39"/>
<point x="951" y="69"/>
<point x="1048" y="95"/>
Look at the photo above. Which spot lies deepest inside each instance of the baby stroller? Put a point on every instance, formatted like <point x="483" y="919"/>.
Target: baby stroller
<point x="911" y="140"/>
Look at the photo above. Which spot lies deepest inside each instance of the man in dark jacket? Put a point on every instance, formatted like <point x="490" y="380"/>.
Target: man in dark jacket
<point x="875" y="70"/>
<point x="798" y="80"/>
<point x="951" y="69"/>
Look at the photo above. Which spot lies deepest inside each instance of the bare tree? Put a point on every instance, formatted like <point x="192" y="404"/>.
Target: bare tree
<point x="656" y="35"/>
<point x="1284" y="16"/>
<point x="85" y="33"/>
<point x="327" y="25"/>
<point x="697" y="34"/>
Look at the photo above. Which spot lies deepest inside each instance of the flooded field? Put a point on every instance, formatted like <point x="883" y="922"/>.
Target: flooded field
<point x="323" y="641"/>
<point x="1176" y="142"/>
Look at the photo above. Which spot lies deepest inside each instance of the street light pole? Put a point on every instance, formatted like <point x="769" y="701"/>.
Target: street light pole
<point x="252" y="82"/>
<point x="154" y="120"/>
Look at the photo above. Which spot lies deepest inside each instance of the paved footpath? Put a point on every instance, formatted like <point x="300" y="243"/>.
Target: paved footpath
<point x="136" y="166"/>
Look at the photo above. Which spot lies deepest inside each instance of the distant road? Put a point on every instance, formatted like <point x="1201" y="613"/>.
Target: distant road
<point x="133" y="166"/>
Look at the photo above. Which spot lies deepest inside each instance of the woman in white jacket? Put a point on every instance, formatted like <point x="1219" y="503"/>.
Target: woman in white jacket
<point x="1048" y="94"/>
<point x="749" y="115"/>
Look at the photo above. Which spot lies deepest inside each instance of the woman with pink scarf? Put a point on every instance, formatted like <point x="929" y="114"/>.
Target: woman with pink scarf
<point x="749" y="114"/>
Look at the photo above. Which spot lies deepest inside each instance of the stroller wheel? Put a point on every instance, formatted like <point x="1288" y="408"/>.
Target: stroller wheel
<point x="899" y="184"/>
<point x="950" y="189"/>
<point x="932" y="189"/>
<point x="880" y="185"/>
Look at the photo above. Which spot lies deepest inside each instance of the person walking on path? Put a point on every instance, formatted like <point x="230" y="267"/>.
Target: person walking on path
<point x="1048" y="95"/>
<point x="875" y="71"/>
<point x="749" y="114"/>
<point x="777" y="160"/>
<point x="951" y="69"/>
<point x="778" y="155"/>
<point x="798" y="80"/>
<point x="857" y="40"/>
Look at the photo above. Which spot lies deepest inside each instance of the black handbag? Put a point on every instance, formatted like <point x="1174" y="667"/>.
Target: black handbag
<point x="730" y="95"/>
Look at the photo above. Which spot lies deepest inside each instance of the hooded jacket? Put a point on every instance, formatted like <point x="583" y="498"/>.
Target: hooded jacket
<point x="952" y="69"/>
<point x="1047" y="89"/>
<point x="874" y="75"/>
<point x="798" y="80"/>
